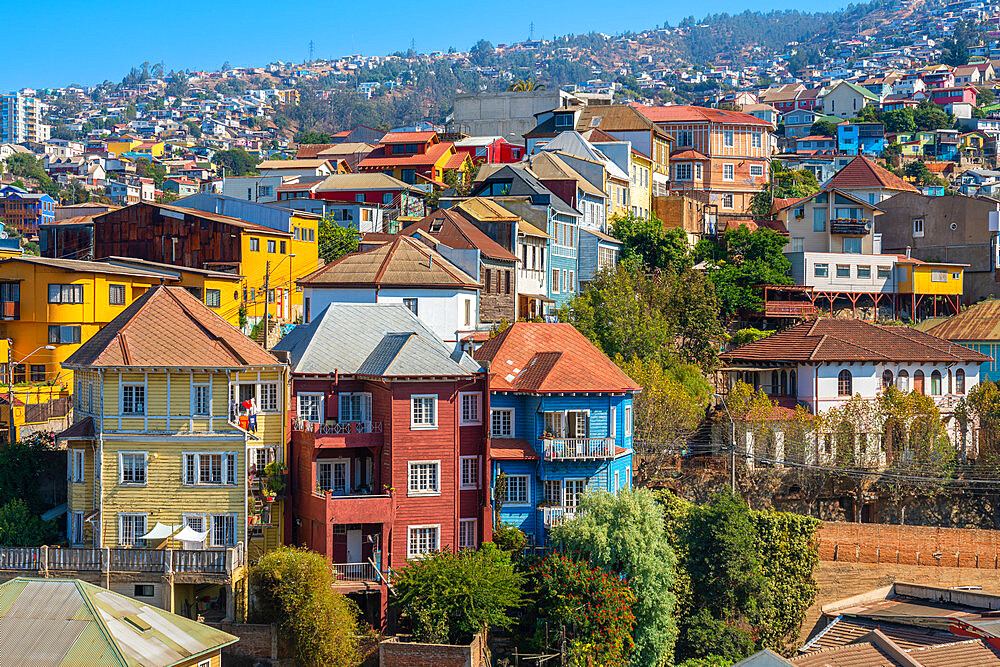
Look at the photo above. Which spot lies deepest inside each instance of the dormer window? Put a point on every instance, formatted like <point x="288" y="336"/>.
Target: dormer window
<point x="564" y="120"/>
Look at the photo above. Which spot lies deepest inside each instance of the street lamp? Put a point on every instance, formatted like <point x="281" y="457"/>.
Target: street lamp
<point x="10" y="382"/>
<point x="732" y="440"/>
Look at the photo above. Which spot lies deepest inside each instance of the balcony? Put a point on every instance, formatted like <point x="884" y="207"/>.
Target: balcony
<point x="51" y="560"/>
<point x="850" y="226"/>
<point x="556" y="516"/>
<point x="341" y="434"/>
<point x="579" y="449"/>
<point x="355" y="573"/>
<point x="359" y="509"/>
<point x="793" y="309"/>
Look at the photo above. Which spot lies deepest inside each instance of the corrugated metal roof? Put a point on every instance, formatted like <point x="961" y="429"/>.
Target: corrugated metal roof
<point x="373" y="180"/>
<point x="979" y="322"/>
<point x="81" y="266"/>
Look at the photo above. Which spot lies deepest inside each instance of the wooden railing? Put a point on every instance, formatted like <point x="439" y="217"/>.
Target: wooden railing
<point x="788" y="309"/>
<point x="354" y="572"/>
<point x="555" y="516"/>
<point x="51" y="559"/>
<point x="576" y="449"/>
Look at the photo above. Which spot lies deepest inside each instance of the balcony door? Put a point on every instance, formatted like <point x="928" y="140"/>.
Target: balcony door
<point x="578" y="424"/>
<point x="333" y="476"/>
<point x="354" y="547"/>
<point x="355" y="407"/>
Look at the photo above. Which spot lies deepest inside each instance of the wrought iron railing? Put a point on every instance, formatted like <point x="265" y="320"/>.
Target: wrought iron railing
<point x="354" y="572"/>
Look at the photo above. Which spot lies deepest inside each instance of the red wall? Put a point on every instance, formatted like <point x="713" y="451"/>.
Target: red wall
<point x="370" y="196"/>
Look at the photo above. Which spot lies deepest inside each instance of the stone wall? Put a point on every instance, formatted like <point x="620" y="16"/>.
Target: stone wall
<point x="395" y="653"/>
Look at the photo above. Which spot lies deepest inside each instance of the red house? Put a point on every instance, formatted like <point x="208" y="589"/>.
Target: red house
<point x="943" y="96"/>
<point x="370" y="188"/>
<point x="388" y="446"/>
<point x="492" y="150"/>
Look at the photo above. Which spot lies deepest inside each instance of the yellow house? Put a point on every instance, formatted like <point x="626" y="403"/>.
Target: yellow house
<point x="641" y="184"/>
<point x="166" y="466"/>
<point x="150" y="149"/>
<point x="931" y="288"/>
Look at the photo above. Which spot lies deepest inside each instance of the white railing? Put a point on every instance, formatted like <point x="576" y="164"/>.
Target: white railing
<point x="556" y="516"/>
<point x="20" y="558"/>
<point x="354" y="572"/>
<point x="575" y="449"/>
<point x="75" y="559"/>
<point x="338" y="428"/>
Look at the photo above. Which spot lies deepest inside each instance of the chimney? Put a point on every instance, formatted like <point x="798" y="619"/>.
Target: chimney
<point x="430" y="261"/>
<point x="907" y="252"/>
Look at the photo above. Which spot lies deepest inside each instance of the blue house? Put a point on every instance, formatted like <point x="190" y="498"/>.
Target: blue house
<point x="861" y="138"/>
<point x="560" y="423"/>
<point x="975" y="328"/>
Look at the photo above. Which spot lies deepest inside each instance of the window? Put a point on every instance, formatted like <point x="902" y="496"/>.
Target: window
<point x="469" y="471"/>
<point x="959" y="381"/>
<point x="756" y="170"/>
<point x="819" y="219"/>
<point x="697" y="171"/>
<point x="223" y="530"/>
<point x="209" y="468"/>
<point x="354" y="407"/>
<point x="143" y="590"/>
<point x="728" y="172"/>
<point x="728" y="138"/>
<point x="903" y="381"/>
<point x="843" y="270"/>
<point x="756" y="141"/>
<point x="281" y="247"/>
<point x="553" y="492"/>
<point x="466" y="533"/>
<point x="268" y="397"/>
<point x="65" y="293"/>
<point x="310" y="407"/>
<point x="682" y="172"/>
<point x="64" y="334"/>
<point x="116" y="295"/>
<point x="38" y="372"/>
<point x="255" y="245"/>
<point x="821" y="270"/>
<point x="844" y="383"/>
<point x="76" y="528"/>
<point x="470" y="409"/>
<point x="421" y="540"/>
<point x="939" y="276"/>
<point x="272" y="246"/>
<point x="202" y="399"/>
<point x="424" y="478"/>
<point x="555" y="281"/>
<point x="575" y="489"/>
<point x="423" y="412"/>
<point x="628" y="421"/>
<point x="864" y="272"/>
<point x="76" y="466"/>
<point x="468" y="309"/>
<point x="516" y="492"/>
<point x="411" y="304"/>
<point x="130" y="528"/>
<point x="884" y="272"/>
<point x="918" y="227"/>
<point x="332" y="476"/>
<point x="133" y="399"/>
<point x="684" y="138"/>
<point x="886" y="379"/>
<point x="852" y="245"/>
<point x="918" y="382"/>
<point x="727" y="201"/>
<point x="936" y="383"/>
<point x="502" y="423"/>
<point x="798" y="244"/>
<point x="213" y="298"/>
<point x="132" y="468"/>
<point x="19" y="374"/>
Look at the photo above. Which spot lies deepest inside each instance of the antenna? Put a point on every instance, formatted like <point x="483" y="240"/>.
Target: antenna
<point x="531" y="31"/>
<point x="310" y="52"/>
<point x="413" y="45"/>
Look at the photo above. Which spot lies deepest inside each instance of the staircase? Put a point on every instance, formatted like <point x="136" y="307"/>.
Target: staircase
<point x="268" y="335"/>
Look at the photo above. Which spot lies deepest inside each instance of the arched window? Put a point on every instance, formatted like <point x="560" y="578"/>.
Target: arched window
<point x="784" y="383"/>
<point x="844" y="383"/>
<point x="774" y="383"/>
<point x="886" y="379"/>
<point x="936" y="383"/>
<point x="793" y="389"/>
<point x="959" y="381"/>
<point x="903" y="382"/>
<point x="918" y="382"/>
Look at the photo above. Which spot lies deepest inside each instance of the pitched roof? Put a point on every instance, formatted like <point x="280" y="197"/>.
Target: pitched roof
<point x="455" y="231"/>
<point x="80" y="266"/>
<point x="688" y="154"/>
<point x="169" y="327"/>
<point x="307" y="151"/>
<point x="547" y="165"/>
<point x="524" y="184"/>
<point x="71" y="622"/>
<point x="405" y="261"/>
<point x="379" y="158"/>
<point x="482" y="208"/>
<point x="309" y="163"/>
<point x="829" y="339"/>
<point x="860" y="90"/>
<point x="572" y="143"/>
<point x="862" y="173"/>
<point x="978" y="322"/>
<point x="615" y="118"/>
<point x="375" y="180"/>
<point x="544" y="358"/>
<point x="392" y="343"/>
<point x="843" y="630"/>
<point x="683" y="113"/>
<point x="408" y="137"/>
<point x="528" y="229"/>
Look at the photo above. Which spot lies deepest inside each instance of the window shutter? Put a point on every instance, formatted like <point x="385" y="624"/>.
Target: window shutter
<point x="231" y="469"/>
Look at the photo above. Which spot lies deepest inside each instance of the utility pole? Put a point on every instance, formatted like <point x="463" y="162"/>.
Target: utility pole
<point x="531" y="31"/>
<point x="310" y="52"/>
<point x="267" y="291"/>
<point x="10" y="390"/>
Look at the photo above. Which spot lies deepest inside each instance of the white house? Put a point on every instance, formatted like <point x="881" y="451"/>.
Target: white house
<point x="440" y="288"/>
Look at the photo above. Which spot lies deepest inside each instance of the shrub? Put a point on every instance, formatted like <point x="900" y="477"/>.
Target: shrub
<point x="509" y="538"/>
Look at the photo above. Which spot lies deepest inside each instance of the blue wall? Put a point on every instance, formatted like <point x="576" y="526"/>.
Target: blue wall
<point x="988" y="370"/>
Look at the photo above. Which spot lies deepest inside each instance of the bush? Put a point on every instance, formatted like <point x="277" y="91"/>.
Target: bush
<point x="19" y="527"/>
<point x="294" y="589"/>
<point x="509" y="538"/>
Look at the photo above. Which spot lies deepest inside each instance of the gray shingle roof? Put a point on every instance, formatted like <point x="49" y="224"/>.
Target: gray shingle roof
<point x="371" y="339"/>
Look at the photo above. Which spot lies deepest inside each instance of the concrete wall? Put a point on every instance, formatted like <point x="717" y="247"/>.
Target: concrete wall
<point x="394" y="653"/>
<point x="507" y="114"/>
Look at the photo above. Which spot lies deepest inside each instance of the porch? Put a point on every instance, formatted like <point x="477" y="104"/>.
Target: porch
<point x="579" y="449"/>
<point x="50" y="561"/>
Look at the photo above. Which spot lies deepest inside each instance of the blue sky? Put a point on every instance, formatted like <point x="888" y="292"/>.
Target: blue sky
<point x="59" y="42"/>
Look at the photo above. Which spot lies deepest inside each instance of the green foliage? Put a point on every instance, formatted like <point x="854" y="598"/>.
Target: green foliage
<point x="826" y="128"/>
<point x="748" y="260"/>
<point x="145" y="167"/>
<point x="985" y="97"/>
<point x="194" y="128"/>
<point x="294" y="589"/>
<point x="646" y="244"/>
<point x="20" y="527"/>
<point x="748" y="335"/>
<point x="313" y="137"/>
<point x="26" y="165"/>
<point x="708" y="661"/>
<point x="335" y="241"/>
<point x="593" y="605"/>
<point x="624" y="534"/>
<point x="921" y="174"/>
<point x="510" y="539"/>
<point x="956" y="48"/>
<point x="25" y="468"/>
<point x="705" y="635"/>
<point x="667" y="316"/>
<point x="792" y="182"/>
<point x="236" y="162"/>
<point x="472" y="590"/>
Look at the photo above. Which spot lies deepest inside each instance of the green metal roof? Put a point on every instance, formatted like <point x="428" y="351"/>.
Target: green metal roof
<point x="69" y="622"/>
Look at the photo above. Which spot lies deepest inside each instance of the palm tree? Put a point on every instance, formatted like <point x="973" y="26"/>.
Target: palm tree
<point x="526" y="85"/>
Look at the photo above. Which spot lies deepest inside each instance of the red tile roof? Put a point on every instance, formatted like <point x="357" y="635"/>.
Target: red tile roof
<point x="688" y="155"/>
<point x="828" y="339"/>
<point x="682" y="113"/>
<point x="512" y="449"/>
<point x="408" y="137"/>
<point x="380" y="159"/>
<point x="863" y="173"/>
<point x="546" y="358"/>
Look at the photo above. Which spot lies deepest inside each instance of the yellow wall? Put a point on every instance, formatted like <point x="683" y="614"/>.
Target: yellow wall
<point x="641" y="182"/>
<point x="284" y="270"/>
<point x="918" y="279"/>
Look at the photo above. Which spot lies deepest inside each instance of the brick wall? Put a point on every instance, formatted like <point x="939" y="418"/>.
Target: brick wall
<point x="909" y="545"/>
<point x="394" y="653"/>
<point x="257" y="640"/>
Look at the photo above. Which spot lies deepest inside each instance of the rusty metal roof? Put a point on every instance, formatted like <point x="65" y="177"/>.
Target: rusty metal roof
<point x="979" y="322"/>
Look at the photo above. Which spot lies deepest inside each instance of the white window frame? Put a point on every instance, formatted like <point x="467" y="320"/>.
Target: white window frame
<point x="272" y="393"/>
<point x="613" y="422"/>
<point x="477" y="400"/>
<point x="414" y="425"/>
<point x="730" y="168"/>
<point x="229" y="469"/>
<point x="467" y="531"/>
<point x="331" y="463"/>
<point x="757" y="170"/>
<point x="628" y="421"/>
<point x="463" y="482"/>
<point x="121" y="468"/>
<point x="76" y="528"/>
<point x="728" y="138"/>
<point x="76" y="470"/>
<point x="545" y="491"/>
<point x="133" y="386"/>
<point x="918" y="228"/>
<point x="410" y="552"/>
<point x="199" y="410"/>
<point x="298" y="406"/>
<point x="581" y="481"/>
<point x="205" y="521"/>
<point x="728" y="201"/>
<point x="436" y="491"/>
<point x="527" y="491"/>
<point x="135" y="541"/>
<point x="493" y="432"/>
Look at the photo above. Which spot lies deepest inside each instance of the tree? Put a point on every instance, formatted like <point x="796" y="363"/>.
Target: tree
<point x="900" y="120"/>
<point x="929" y="116"/>
<point x="294" y="588"/>
<point x="460" y="593"/>
<point x="824" y="128"/>
<point x="526" y="85"/>
<point x="624" y="534"/>
<point x="986" y="96"/>
<point x="313" y="137"/>
<point x="236" y="162"/>
<point x="750" y="259"/>
<point x="645" y="243"/>
<point x="20" y="527"/>
<point x="335" y="241"/>
<point x="919" y="173"/>
<point x="482" y="53"/>
<point x="193" y="128"/>
<point x="956" y="47"/>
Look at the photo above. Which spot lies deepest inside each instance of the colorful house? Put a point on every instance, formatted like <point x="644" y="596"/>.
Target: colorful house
<point x="165" y="456"/>
<point x="389" y="456"/>
<point x="975" y="328"/>
<point x="560" y="423"/>
<point x="860" y="138"/>
<point x="417" y="158"/>
<point x="25" y="211"/>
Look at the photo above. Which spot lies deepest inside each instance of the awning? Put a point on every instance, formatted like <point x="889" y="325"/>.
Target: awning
<point x="189" y="534"/>
<point x="540" y="297"/>
<point x="160" y="532"/>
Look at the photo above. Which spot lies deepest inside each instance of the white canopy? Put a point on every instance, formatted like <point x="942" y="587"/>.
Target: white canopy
<point x="160" y="532"/>
<point x="189" y="534"/>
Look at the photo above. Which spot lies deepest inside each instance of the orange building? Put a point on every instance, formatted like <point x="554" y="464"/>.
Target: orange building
<point x="417" y="158"/>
